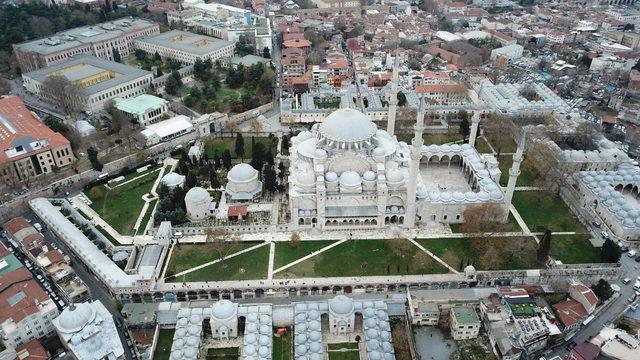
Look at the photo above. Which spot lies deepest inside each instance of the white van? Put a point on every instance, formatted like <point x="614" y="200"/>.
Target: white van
<point x="102" y="176"/>
<point x="631" y="253"/>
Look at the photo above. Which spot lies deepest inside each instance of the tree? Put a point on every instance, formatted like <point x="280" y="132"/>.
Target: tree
<point x="402" y="99"/>
<point x="213" y="179"/>
<point x="54" y="123"/>
<point x="266" y="53"/>
<point x="464" y="127"/>
<point x="544" y="247"/>
<point x="269" y="177"/>
<point x="5" y="87"/>
<point x="610" y="252"/>
<point x="191" y="180"/>
<point x="173" y="84"/>
<point x="222" y="243"/>
<point x="602" y="290"/>
<point x="282" y="172"/>
<point x="93" y="158"/>
<point x="69" y="97"/>
<point x="256" y="127"/>
<point x="239" y="148"/>
<point x="226" y="159"/>
<point x="116" y="54"/>
<point x="244" y="46"/>
<point x="497" y="129"/>
<point x="258" y="156"/>
<point x="294" y="241"/>
<point x="543" y="157"/>
<point x="483" y="219"/>
<point x="159" y="72"/>
<point x="140" y="54"/>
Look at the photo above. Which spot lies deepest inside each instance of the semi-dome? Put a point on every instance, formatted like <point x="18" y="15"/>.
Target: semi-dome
<point x="173" y="179"/>
<point x="242" y="173"/>
<point x="331" y="176"/>
<point x="347" y="125"/>
<point x="394" y="176"/>
<point x="341" y="305"/>
<point x="76" y="317"/>
<point x="350" y="178"/>
<point x="369" y="175"/>
<point x="223" y="309"/>
<point x="196" y="194"/>
<point x="378" y="151"/>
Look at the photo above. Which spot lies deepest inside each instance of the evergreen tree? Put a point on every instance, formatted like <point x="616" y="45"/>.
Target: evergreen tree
<point x="269" y="177"/>
<point x="226" y="159"/>
<point x="610" y="252"/>
<point x="171" y="86"/>
<point x="213" y="179"/>
<point x="159" y="71"/>
<point x="191" y="180"/>
<point x="156" y="57"/>
<point x="464" y="128"/>
<point x="602" y="290"/>
<point x="216" y="161"/>
<point x="266" y="53"/>
<point x="402" y="99"/>
<point x="544" y="247"/>
<point x="240" y="146"/>
<point x="116" y="54"/>
<point x="257" y="156"/>
<point x="285" y="141"/>
<point x="282" y="171"/>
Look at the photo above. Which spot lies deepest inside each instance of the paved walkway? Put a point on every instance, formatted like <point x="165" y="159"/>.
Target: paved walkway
<point x="219" y="260"/>
<point x="433" y="256"/>
<point x="154" y="195"/>
<point x="272" y="254"/>
<point x="529" y="188"/>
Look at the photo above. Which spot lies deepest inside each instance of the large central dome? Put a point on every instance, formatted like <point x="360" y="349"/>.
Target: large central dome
<point x="347" y="125"/>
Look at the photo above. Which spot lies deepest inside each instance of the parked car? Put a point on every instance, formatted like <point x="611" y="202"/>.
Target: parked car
<point x="631" y="253"/>
<point x="626" y="281"/>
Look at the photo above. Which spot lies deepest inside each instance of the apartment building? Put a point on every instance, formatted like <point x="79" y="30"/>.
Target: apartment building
<point x="29" y="147"/>
<point x="100" y="80"/>
<point x="27" y="311"/>
<point x="98" y="40"/>
<point x="186" y="47"/>
<point x="464" y="323"/>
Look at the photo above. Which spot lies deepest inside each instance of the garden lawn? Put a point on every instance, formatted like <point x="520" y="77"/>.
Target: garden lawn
<point x="107" y="235"/>
<point x="187" y="256"/>
<point x="121" y="206"/>
<point x="482" y="146"/>
<point x="346" y="355"/>
<point x="248" y="266"/>
<point x="163" y="345"/>
<point x="527" y="177"/>
<point x="282" y="346"/>
<point x="574" y="249"/>
<point x="285" y="253"/>
<point x="367" y="258"/>
<point x="439" y="139"/>
<point x="508" y="146"/>
<point x="219" y="145"/>
<point x="147" y="215"/>
<point x="514" y="253"/>
<point x="230" y="353"/>
<point x="542" y="210"/>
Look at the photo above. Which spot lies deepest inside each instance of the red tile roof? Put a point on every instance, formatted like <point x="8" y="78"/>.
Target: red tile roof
<point x="16" y="224"/>
<point x="585" y="351"/>
<point x="13" y="283"/>
<point x="440" y="88"/>
<point x="297" y="43"/>
<point x="586" y="292"/>
<point x="237" y="210"/>
<point x="18" y="123"/>
<point x="31" y="350"/>
<point x="570" y="312"/>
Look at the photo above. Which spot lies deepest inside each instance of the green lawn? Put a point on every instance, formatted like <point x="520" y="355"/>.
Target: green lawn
<point x="346" y="355"/>
<point x="147" y="215"/>
<point x="542" y="210"/>
<point x="482" y="146"/>
<point x="282" y="346"/>
<point x="135" y="174"/>
<point x="187" y="256"/>
<point x="511" y="253"/>
<point x="230" y="353"/>
<point x="107" y="235"/>
<point x="251" y="265"/>
<point x="285" y="253"/>
<point x="574" y="249"/>
<point x="121" y="206"/>
<point x="429" y="139"/>
<point x="219" y="145"/>
<point x="367" y="258"/>
<point x="527" y="177"/>
<point x="163" y="346"/>
<point x="508" y="146"/>
<point x="346" y="346"/>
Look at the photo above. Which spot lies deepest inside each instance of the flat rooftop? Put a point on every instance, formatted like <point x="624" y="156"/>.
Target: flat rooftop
<point x="465" y="315"/>
<point x="140" y="104"/>
<point x="82" y="67"/>
<point x="84" y="35"/>
<point x="187" y="42"/>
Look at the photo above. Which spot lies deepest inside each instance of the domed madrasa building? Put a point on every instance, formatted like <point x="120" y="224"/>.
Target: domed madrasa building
<point x="243" y="183"/>
<point x="347" y="174"/>
<point x="197" y="201"/>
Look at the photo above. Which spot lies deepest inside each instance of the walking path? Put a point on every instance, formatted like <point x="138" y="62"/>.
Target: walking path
<point x="308" y="256"/>
<point x="219" y="260"/>
<point x="154" y="195"/>
<point x="272" y="254"/>
<point x="433" y="256"/>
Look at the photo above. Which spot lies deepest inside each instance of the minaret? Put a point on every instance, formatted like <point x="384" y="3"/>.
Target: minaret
<point x="514" y="171"/>
<point x="416" y="145"/>
<point x="393" y="99"/>
<point x="475" y="121"/>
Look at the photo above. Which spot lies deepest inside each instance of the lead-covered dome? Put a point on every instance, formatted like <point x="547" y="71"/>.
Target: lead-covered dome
<point x="197" y="194"/>
<point x="242" y="173"/>
<point x="76" y="317"/>
<point x="223" y="309"/>
<point x="347" y="125"/>
<point x="350" y="178"/>
<point x="172" y="179"/>
<point x="341" y="305"/>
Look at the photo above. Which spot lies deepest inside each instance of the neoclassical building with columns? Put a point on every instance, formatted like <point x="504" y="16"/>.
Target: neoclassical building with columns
<point x="347" y="174"/>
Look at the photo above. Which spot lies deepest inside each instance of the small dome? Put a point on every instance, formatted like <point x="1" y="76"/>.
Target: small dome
<point x="378" y="151"/>
<point x="320" y="153"/>
<point x="242" y="173"/>
<point x="304" y="135"/>
<point x="172" y="180"/>
<point x="341" y="305"/>
<point x="331" y="176"/>
<point x="369" y="175"/>
<point x="223" y="309"/>
<point x="394" y="176"/>
<point x="76" y="317"/>
<point x="197" y="194"/>
<point x="347" y="125"/>
<point x="350" y="178"/>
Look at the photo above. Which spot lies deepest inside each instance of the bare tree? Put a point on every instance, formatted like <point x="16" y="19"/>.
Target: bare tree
<point x="543" y="157"/>
<point x="222" y="243"/>
<point x="295" y="240"/>
<point x="256" y="127"/>
<point x="5" y="87"/>
<point x="498" y="129"/>
<point x="68" y="96"/>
